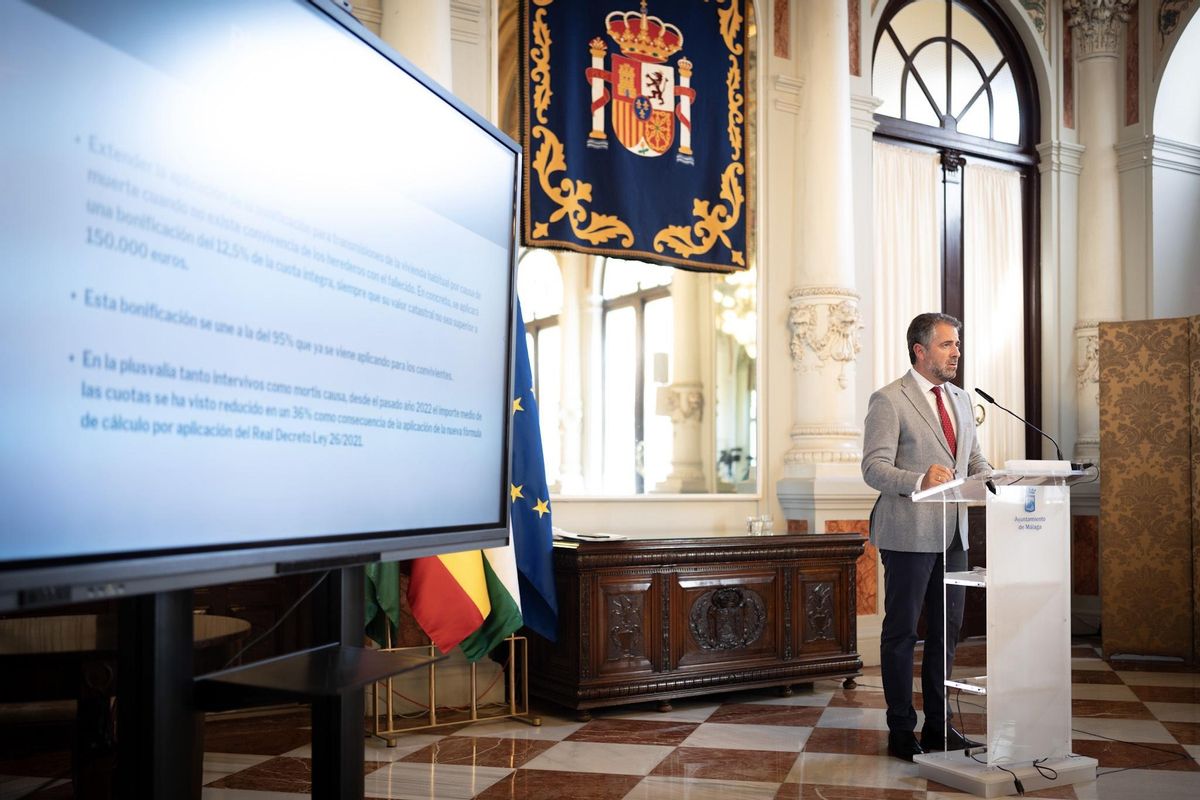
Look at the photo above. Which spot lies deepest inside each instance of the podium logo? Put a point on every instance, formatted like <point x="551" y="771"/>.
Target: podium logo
<point x="1030" y="499"/>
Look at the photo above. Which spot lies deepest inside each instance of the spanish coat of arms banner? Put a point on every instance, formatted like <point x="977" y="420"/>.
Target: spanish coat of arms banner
<point x="634" y="129"/>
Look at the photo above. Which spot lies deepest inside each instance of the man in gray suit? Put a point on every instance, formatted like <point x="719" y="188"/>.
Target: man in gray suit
<point x="919" y="433"/>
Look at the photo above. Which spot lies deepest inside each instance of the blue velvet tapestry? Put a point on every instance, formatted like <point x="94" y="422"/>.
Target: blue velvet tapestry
<point x="634" y="129"/>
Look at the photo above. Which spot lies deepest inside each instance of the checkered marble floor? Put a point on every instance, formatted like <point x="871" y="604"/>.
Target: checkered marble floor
<point x="821" y="743"/>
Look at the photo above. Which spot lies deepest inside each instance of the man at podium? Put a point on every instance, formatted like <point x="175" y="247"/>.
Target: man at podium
<point x="920" y="432"/>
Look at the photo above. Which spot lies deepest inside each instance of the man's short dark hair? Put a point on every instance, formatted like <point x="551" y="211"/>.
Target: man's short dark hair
<point x="920" y="330"/>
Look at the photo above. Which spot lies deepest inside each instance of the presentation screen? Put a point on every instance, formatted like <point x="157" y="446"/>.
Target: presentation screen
<point x="256" y="294"/>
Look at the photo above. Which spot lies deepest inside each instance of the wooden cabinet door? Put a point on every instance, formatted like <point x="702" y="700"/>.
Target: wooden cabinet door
<point x="627" y="631"/>
<point x="823" y="619"/>
<point x="725" y="616"/>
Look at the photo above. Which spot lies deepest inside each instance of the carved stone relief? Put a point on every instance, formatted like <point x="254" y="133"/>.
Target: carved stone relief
<point x="824" y="331"/>
<point x="1087" y="371"/>
<point x="682" y="402"/>
<point x="1097" y="24"/>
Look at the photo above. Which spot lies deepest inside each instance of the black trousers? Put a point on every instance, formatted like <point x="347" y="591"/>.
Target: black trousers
<point x="910" y="581"/>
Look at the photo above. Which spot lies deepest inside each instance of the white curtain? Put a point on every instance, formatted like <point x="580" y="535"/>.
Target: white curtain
<point x="906" y="280"/>
<point x="993" y="307"/>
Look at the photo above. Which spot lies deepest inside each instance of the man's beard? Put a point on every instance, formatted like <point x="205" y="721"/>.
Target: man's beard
<point x="947" y="372"/>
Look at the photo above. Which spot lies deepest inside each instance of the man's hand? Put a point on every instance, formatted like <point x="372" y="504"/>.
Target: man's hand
<point x="935" y="476"/>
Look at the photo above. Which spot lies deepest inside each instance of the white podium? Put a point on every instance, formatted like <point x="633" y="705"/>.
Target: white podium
<point x="1028" y="680"/>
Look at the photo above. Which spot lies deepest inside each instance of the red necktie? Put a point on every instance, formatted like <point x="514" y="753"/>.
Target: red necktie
<point x="947" y="428"/>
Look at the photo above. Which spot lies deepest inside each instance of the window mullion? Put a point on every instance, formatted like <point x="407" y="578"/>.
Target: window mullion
<point x="949" y="66"/>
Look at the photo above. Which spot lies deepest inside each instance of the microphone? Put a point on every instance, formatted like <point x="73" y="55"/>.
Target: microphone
<point x="1057" y="449"/>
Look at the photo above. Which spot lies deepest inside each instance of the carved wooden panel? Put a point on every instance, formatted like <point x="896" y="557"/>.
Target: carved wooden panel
<point x="819" y="615"/>
<point x="627" y="625"/>
<point x="727" y="617"/>
<point x="820" y="595"/>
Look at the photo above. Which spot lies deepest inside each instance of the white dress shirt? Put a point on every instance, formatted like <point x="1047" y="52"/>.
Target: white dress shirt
<point x="931" y="398"/>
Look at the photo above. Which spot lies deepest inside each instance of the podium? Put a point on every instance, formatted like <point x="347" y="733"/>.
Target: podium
<point x="1028" y="583"/>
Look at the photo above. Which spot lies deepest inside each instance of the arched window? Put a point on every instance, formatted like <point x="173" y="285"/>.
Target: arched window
<point x="957" y="85"/>
<point x="938" y="64"/>
<point x="638" y="327"/>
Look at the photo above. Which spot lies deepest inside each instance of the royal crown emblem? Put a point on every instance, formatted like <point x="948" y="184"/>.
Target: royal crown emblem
<point x="645" y="97"/>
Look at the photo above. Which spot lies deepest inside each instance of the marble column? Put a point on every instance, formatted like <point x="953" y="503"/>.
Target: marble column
<point x="823" y="318"/>
<point x="574" y="267"/>
<point x="1097" y="25"/>
<point x="593" y="380"/>
<point x="420" y="31"/>
<point x="683" y="399"/>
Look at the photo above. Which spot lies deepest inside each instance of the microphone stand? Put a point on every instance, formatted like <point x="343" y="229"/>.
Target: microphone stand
<point x="1057" y="449"/>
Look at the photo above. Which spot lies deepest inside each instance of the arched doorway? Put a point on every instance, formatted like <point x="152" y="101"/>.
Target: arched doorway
<point x="1173" y="284"/>
<point x="958" y="89"/>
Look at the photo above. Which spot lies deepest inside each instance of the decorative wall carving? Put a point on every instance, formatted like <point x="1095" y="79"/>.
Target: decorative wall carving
<point x="1097" y="24"/>
<point x="625" y="626"/>
<point x="1170" y="18"/>
<point x="1087" y="371"/>
<point x="1170" y="14"/>
<point x="824" y="331"/>
<point x="1036" y="9"/>
<point x="819" y="613"/>
<point x="728" y="618"/>
<point x="683" y="402"/>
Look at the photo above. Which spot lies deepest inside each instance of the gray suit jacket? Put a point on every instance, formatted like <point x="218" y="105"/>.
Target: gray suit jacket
<point x="902" y="438"/>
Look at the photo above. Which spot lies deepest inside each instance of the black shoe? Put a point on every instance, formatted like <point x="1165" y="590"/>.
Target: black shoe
<point x="903" y="744"/>
<point x="931" y="739"/>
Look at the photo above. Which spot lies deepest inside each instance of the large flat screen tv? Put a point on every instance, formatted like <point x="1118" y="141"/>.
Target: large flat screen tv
<point x="255" y="299"/>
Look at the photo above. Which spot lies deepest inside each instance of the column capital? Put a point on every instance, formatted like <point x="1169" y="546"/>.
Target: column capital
<point x="1060" y="157"/>
<point x="1097" y="25"/>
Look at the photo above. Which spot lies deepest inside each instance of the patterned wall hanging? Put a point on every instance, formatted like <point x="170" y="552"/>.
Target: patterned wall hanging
<point x="633" y="123"/>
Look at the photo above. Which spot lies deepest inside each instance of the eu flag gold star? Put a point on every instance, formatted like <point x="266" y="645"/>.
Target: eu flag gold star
<point x="541" y="508"/>
<point x="515" y="491"/>
<point x="517" y="404"/>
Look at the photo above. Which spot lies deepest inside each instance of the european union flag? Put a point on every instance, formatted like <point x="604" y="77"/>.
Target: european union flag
<point x="634" y="128"/>
<point x="530" y="498"/>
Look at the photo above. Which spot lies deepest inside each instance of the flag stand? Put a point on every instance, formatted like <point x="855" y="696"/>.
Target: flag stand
<point x="385" y="723"/>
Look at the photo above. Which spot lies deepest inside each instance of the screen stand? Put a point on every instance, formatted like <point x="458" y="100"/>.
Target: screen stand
<point x="157" y="723"/>
<point x="337" y="719"/>
<point x="160" y="741"/>
<point x="330" y="677"/>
